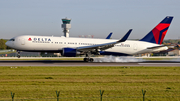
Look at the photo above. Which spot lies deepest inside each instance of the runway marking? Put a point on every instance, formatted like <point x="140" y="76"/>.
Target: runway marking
<point x="81" y="63"/>
<point x="162" y="64"/>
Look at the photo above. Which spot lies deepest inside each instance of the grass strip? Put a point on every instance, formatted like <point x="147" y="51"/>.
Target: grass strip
<point x="84" y="83"/>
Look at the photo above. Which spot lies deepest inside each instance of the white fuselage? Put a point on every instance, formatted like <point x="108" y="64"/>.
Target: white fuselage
<point x="56" y="44"/>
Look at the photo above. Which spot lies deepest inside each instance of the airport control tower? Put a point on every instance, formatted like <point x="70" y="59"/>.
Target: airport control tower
<point x="66" y="26"/>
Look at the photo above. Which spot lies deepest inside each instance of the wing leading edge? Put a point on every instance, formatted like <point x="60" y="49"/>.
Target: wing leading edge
<point x="105" y="45"/>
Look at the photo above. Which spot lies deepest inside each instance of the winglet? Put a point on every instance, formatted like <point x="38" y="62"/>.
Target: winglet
<point x="109" y="36"/>
<point x="125" y="36"/>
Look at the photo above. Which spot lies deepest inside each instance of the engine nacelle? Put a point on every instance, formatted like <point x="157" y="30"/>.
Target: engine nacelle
<point x="69" y="52"/>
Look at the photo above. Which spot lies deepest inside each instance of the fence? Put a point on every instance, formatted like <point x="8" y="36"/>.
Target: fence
<point x="100" y="97"/>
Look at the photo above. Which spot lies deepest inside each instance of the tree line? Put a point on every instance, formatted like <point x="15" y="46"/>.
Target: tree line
<point x="172" y="41"/>
<point x="3" y="45"/>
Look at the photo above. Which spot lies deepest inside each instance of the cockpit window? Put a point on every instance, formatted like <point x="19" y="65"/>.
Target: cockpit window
<point x="12" y="40"/>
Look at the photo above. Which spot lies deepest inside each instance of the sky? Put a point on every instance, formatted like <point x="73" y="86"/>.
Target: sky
<point x="89" y="17"/>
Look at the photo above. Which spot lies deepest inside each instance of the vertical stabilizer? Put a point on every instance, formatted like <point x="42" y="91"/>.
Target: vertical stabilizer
<point x="157" y="34"/>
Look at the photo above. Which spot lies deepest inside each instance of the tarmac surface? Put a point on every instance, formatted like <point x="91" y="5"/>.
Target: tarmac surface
<point x="81" y="63"/>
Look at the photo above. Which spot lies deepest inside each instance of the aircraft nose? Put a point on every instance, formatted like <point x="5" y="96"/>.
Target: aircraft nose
<point x="8" y="44"/>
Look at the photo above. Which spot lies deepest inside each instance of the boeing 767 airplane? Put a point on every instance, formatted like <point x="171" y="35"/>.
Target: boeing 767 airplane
<point x="71" y="47"/>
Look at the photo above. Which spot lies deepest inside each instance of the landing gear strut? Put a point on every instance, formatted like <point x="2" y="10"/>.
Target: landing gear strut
<point x="18" y="55"/>
<point x="87" y="58"/>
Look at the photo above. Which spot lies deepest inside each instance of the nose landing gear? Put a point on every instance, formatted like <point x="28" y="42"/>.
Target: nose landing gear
<point x="18" y="54"/>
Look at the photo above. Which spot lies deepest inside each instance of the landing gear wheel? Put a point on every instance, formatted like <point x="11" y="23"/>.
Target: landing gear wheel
<point x="86" y="59"/>
<point x="91" y="60"/>
<point x="18" y="56"/>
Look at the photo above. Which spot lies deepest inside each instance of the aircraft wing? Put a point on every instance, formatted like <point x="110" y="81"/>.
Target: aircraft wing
<point x="104" y="45"/>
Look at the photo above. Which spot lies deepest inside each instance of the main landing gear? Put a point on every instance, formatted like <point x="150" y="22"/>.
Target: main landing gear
<point x="18" y="55"/>
<point x="87" y="58"/>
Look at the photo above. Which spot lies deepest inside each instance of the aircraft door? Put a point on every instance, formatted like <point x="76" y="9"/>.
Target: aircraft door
<point x="135" y="47"/>
<point x="22" y="42"/>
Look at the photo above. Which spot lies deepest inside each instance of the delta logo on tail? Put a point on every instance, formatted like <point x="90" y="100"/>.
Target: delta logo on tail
<point x="158" y="33"/>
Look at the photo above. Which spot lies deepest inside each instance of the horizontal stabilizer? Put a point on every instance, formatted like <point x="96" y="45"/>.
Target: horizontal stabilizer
<point x="155" y="47"/>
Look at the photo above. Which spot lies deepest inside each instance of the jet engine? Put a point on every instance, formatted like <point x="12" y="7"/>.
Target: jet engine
<point x="69" y="52"/>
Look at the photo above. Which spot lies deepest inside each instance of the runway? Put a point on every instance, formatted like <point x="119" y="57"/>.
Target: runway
<point x="81" y="63"/>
